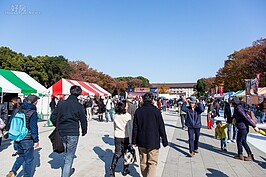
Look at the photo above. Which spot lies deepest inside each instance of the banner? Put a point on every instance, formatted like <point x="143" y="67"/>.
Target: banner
<point x="221" y="90"/>
<point x="248" y="86"/>
<point x="254" y="85"/>
<point x="258" y="76"/>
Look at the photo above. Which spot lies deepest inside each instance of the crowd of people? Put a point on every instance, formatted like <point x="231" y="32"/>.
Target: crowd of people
<point x="138" y="123"/>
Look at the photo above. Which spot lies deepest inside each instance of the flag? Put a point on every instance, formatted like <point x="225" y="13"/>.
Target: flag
<point x="248" y="86"/>
<point x="221" y="90"/>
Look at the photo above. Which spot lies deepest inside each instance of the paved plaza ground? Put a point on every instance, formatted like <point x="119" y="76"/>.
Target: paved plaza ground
<point x="95" y="151"/>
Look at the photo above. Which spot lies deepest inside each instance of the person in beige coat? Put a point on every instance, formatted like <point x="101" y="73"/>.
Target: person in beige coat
<point x="122" y="135"/>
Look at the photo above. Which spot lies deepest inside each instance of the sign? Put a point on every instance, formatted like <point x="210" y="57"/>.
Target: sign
<point x="142" y="90"/>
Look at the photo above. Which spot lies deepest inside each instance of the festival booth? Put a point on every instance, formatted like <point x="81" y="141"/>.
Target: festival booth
<point x="137" y="92"/>
<point x="62" y="87"/>
<point x="253" y="98"/>
<point x="16" y="83"/>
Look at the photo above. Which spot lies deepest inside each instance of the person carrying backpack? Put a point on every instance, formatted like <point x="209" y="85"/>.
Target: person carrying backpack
<point x="25" y="147"/>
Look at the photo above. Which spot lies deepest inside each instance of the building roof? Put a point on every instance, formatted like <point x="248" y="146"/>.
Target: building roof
<point x="175" y="85"/>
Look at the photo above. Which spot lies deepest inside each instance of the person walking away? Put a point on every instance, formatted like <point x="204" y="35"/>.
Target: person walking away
<point x="89" y="108"/>
<point x="131" y="107"/>
<point x="4" y="117"/>
<point x="16" y="103"/>
<point x="262" y="111"/>
<point x="210" y="113"/>
<point x="108" y="111"/>
<point x="228" y="115"/>
<point x="148" y="128"/>
<point x="220" y="132"/>
<point x="70" y="113"/>
<point x="25" y="147"/>
<point x="193" y="122"/>
<point x="101" y="109"/>
<point x="122" y="132"/>
<point x="217" y="107"/>
<point x="242" y="123"/>
<point x="182" y="116"/>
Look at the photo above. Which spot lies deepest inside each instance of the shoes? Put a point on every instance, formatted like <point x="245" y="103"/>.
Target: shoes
<point x="225" y="150"/>
<point x="112" y="172"/>
<point x="191" y="154"/>
<point x="228" y="141"/>
<point x="249" y="158"/>
<point x="240" y="157"/>
<point x="196" y="151"/>
<point x="126" y="172"/>
<point x="72" y="171"/>
<point x="10" y="174"/>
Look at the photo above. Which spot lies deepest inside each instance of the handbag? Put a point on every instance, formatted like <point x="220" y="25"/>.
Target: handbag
<point x="130" y="156"/>
<point x="56" y="139"/>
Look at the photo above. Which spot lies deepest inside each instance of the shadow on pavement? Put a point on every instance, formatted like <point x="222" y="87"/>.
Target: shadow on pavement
<point x="215" y="173"/>
<point x="179" y="148"/>
<point x="57" y="160"/>
<point x="169" y="125"/>
<point x="5" y="144"/>
<point x="107" y="155"/>
<point x="260" y="163"/>
<point x="108" y="140"/>
<point x="211" y="148"/>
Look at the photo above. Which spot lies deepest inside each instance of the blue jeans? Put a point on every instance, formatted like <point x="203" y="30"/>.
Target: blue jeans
<point x="70" y="144"/>
<point x="223" y="143"/>
<point x="241" y="141"/>
<point x="25" y="152"/>
<point x="109" y="111"/>
<point x="262" y="117"/>
<point x="193" y="138"/>
<point x="229" y="132"/>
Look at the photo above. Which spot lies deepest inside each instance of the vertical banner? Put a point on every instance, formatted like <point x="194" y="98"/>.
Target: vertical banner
<point x="258" y="76"/>
<point x="254" y="86"/>
<point x="216" y="89"/>
<point x="248" y="86"/>
<point x="221" y="90"/>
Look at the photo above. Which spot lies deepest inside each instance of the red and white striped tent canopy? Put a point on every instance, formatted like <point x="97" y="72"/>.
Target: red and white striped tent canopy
<point x="62" y="87"/>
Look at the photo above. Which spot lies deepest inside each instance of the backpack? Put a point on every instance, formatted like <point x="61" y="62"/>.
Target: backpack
<point x="18" y="129"/>
<point x="251" y="116"/>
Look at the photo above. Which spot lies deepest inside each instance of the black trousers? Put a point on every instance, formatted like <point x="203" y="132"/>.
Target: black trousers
<point x="241" y="141"/>
<point x="121" y="144"/>
<point x="193" y="138"/>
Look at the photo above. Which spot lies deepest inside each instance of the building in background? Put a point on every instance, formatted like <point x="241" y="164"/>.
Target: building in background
<point x="179" y="89"/>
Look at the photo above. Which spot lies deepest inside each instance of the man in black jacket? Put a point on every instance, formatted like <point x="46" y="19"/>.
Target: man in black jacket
<point x="70" y="113"/>
<point x="148" y="128"/>
<point x="228" y="115"/>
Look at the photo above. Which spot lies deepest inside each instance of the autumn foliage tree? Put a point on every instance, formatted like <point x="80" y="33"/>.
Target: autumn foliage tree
<point x="241" y="65"/>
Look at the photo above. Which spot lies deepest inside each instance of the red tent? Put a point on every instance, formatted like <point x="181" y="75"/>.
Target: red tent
<point x="62" y="87"/>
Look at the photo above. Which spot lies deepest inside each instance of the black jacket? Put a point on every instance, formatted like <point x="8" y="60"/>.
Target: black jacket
<point x="227" y="112"/>
<point x="70" y="113"/>
<point x="148" y="127"/>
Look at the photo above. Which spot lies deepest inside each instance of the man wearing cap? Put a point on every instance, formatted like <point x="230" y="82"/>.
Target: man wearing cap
<point x="131" y="107"/>
<point x="25" y="147"/>
<point x="193" y="122"/>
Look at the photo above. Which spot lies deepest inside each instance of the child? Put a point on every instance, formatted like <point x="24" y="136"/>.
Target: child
<point x="221" y="132"/>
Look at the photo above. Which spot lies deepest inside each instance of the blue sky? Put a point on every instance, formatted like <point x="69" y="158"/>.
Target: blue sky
<point x="163" y="40"/>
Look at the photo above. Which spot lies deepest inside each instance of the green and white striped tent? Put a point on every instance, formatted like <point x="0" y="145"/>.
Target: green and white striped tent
<point x="19" y="82"/>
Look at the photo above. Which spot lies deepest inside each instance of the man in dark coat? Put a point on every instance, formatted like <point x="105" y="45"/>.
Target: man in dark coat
<point x="70" y="113"/>
<point x="228" y="115"/>
<point x="193" y="122"/>
<point x="148" y="128"/>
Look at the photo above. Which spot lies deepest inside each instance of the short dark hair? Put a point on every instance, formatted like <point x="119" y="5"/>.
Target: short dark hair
<point x="148" y="97"/>
<point x="75" y="90"/>
<point x="16" y="101"/>
<point x="218" y="122"/>
<point x="120" y="107"/>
